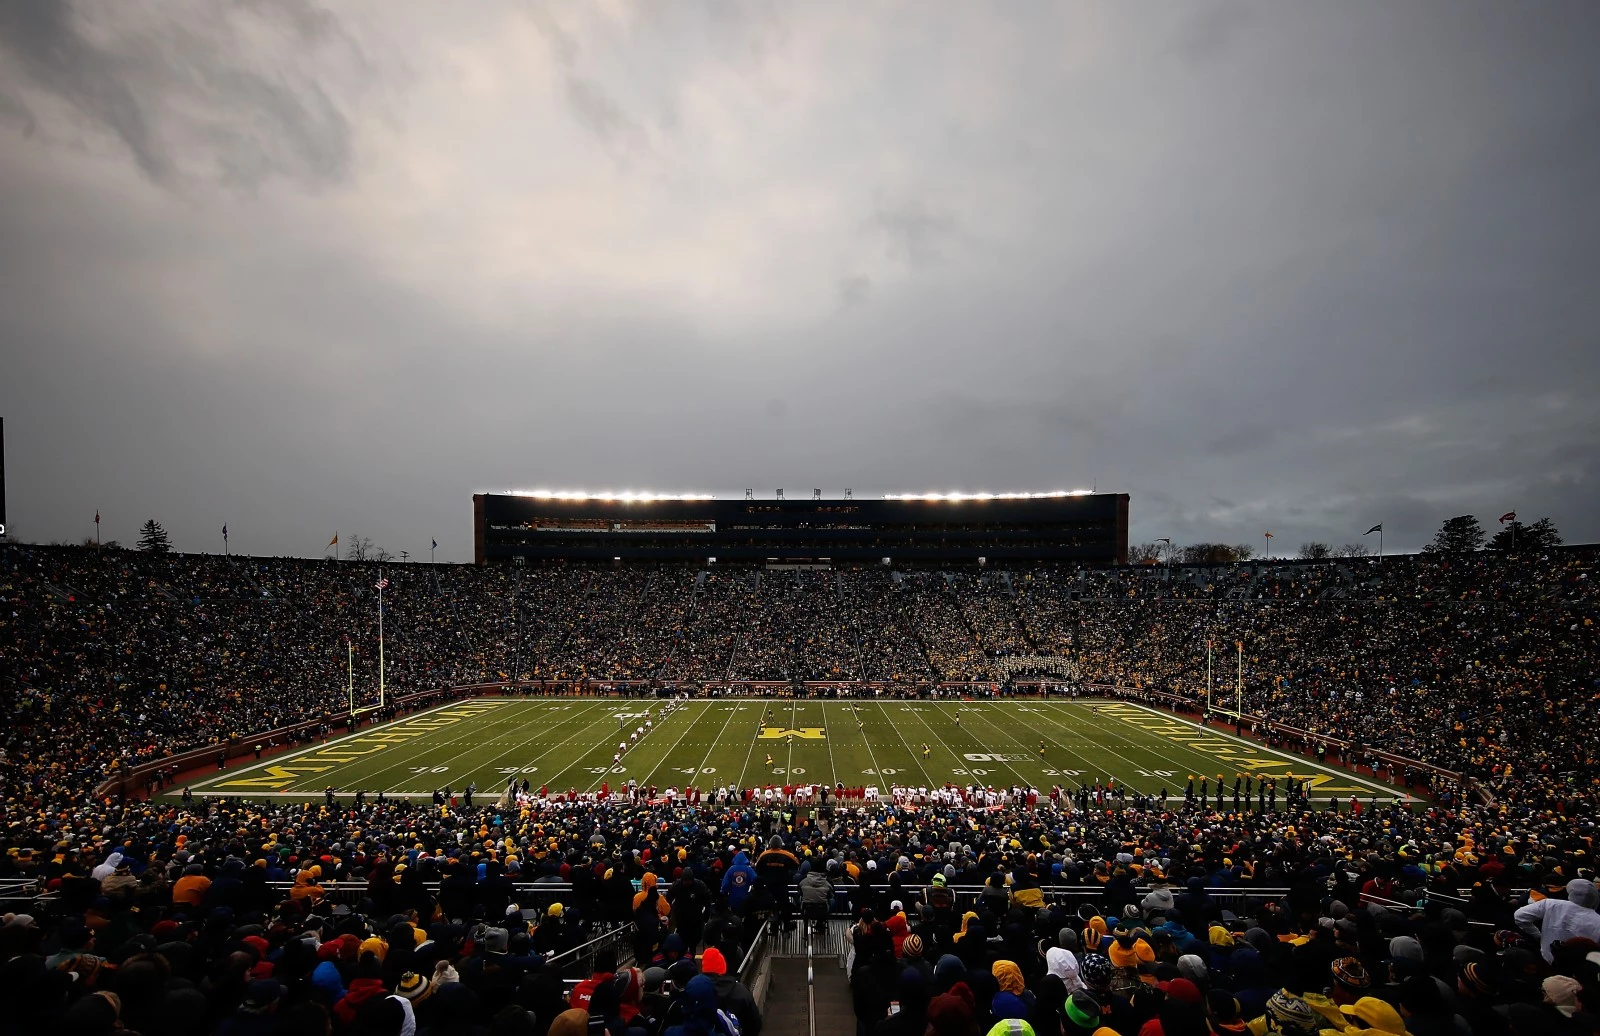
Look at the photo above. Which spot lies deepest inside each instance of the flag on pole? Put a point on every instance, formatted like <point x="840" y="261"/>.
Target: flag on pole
<point x="435" y="545"/>
<point x="1509" y="516"/>
<point x="382" y="584"/>
<point x="335" y="541"/>
<point x="1269" y="535"/>
<point x="97" y="517"/>
<point x="224" y="532"/>
<point x="1375" y="528"/>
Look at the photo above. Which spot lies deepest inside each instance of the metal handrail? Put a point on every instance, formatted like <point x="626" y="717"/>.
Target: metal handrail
<point x="811" y="986"/>
<point x="757" y="950"/>
<point x="576" y="953"/>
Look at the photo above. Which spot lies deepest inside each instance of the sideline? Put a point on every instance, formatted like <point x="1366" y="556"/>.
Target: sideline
<point x="1394" y="794"/>
<point x="279" y="760"/>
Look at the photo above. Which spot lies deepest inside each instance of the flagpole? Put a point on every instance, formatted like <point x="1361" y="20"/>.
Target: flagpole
<point x="350" y="683"/>
<point x="380" y="639"/>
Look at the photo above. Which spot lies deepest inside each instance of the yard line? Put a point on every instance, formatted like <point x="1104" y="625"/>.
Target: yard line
<point x="1094" y="766"/>
<point x="833" y="768"/>
<point x="642" y="739"/>
<point x="675" y="744"/>
<point x="1262" y="749"/>
<point x="608" y="769"/>
<point x="282" y="759"/>
<point x="1101" y="768"/>
<point x="788" y="763"/>
<point x="909" y="750"/>
<point x="750" y="751"/>
<point x="376" y="776"/>
<point x="981" y="713"/>
<point x="732" y="712"/>
<point x="434" y="750"/>
<point x="961" y="764"/>
<point x="876" y="770"/>
<point x="523" y="744"/>
<point x="1172" y="742"/>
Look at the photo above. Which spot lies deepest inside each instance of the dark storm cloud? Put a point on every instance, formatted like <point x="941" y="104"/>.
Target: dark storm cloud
<point x="1289" y="267"/>
<point x="181" y="97"/>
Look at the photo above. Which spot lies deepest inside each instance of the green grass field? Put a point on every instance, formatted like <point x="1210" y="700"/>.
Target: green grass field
<point x="568" y="743"/>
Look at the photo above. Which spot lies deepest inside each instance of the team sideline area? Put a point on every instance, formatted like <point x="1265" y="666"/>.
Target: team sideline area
<point x="982" y="752"/>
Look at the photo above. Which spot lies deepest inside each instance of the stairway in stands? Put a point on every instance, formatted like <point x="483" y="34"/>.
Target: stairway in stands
<point x="788" y="1007"/>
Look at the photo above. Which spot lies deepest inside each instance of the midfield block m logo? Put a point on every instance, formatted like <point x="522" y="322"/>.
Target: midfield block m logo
<point x="780" y="733"/>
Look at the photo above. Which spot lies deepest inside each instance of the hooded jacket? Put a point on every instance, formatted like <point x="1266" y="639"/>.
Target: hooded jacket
<point x="739" y="880"/>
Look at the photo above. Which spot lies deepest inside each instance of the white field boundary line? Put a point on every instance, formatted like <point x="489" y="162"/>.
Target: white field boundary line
<point x="645" y="780"/>
<point x="472" y="733"/>
<point x="281" y="759"/>
<point x="1263" y="749"/>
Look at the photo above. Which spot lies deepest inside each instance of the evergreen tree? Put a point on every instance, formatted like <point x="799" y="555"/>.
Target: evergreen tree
<point x="1513" y="535"/>
<point x="1459" y="535"/>
<point x="153" y="538"/>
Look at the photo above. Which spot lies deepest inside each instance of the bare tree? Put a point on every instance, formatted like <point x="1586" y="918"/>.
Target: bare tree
<point x="1244" y="551"/>
<point x="1212" y="554"/>
<point x="380" y="554"/>
<point x="1353" y="550"/>
<point x="1315" y="551"/>
<point x="360" y="549"/>
<point x="1144" y="553"/>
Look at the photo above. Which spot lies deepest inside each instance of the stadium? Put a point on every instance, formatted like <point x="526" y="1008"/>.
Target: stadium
<point x="569" y="769"/>
<point x="403" y="631"/>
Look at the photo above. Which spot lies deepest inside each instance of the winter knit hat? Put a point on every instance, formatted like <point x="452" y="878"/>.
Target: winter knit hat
<point x="413" y="987"/>
<point x="1290" y="1014"/>
<point x="1351" y="973"/>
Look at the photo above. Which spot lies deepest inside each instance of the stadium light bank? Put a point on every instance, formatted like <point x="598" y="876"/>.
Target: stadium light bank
<point x="632" y="496"/>
<point x="627" y="496"/>
<point x="956" y="497"/>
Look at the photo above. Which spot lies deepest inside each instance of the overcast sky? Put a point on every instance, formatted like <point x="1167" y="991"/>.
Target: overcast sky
<point x="1298" y="267"/>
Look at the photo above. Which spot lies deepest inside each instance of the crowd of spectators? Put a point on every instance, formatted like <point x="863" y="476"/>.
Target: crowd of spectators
<point x="1482" y="664"/>
<point x="221" y="916"/>
<point x="395" y="918"/>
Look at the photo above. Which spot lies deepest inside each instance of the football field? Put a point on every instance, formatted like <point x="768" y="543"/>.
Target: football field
<point x="568" y="743"/>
